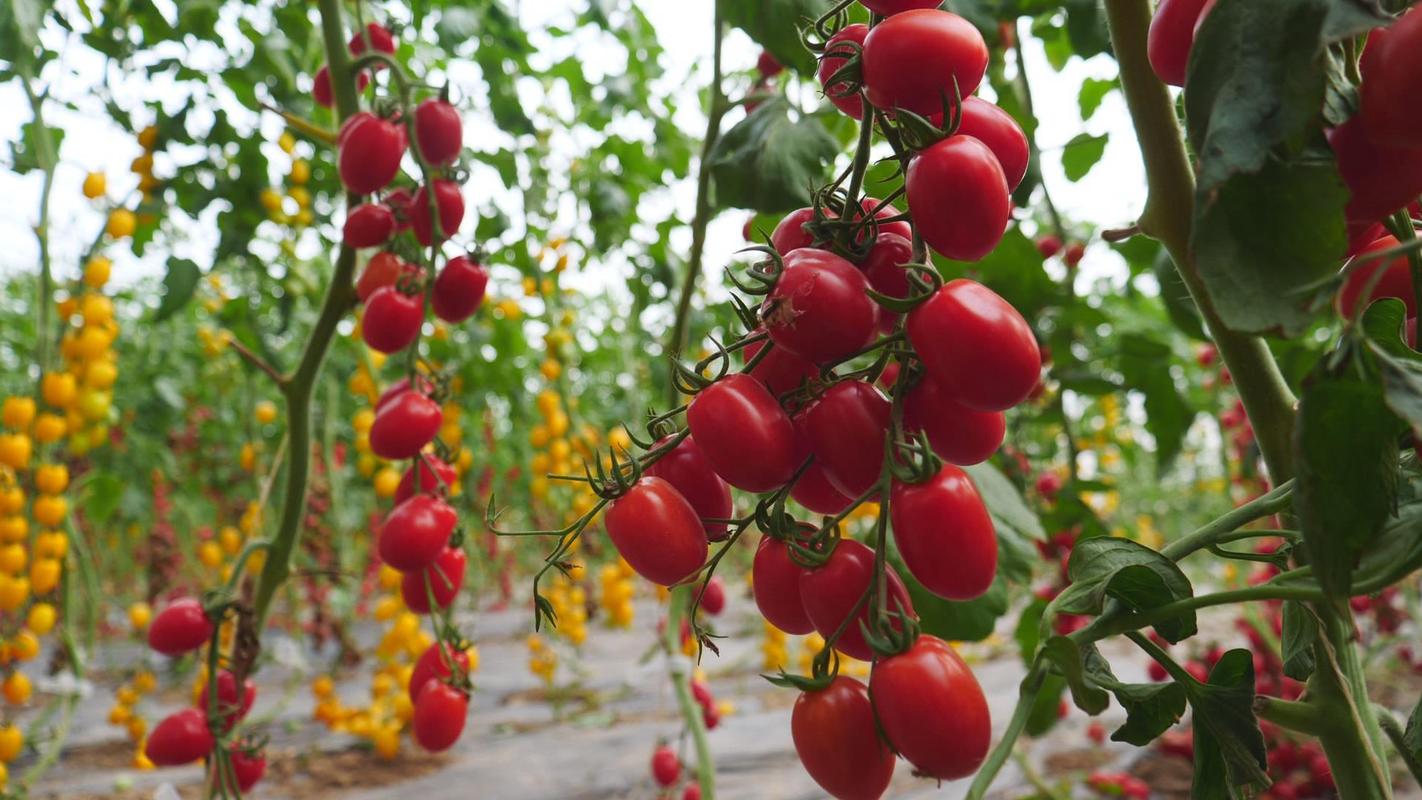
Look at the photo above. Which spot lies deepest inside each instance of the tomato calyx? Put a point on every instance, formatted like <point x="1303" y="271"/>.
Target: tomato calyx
<point x="923" y="281"/>
<point x="896" y="632"/>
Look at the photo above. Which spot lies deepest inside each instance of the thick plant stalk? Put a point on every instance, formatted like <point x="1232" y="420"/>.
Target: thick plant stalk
<point x="677" y="605"/>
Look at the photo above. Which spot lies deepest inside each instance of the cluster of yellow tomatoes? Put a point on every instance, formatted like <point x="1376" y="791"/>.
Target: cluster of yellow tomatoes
<point x="619" y="587"/>
<point x="124" y="712"/>
<point x="294" y="207"/>
<point x="570" y="605"/>
<point x="542" y="659"/>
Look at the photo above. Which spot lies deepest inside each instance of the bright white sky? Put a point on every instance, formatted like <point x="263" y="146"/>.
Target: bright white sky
<point x="1109" y="196"/>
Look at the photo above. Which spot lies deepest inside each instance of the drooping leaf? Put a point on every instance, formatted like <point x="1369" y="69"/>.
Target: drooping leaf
<point x="968" y="621"/>
<point x="1299" y="632"/>
<point x="1224" y="710"/>
<point x="768" y="162"/>
<point x="178" y="287"/>
<point x="1068" y="658"/>
<point x="1151" y="708"/>
<point x="1176" y="296"/>
<point x="775" y="25"/>
<point x="1130" y="572"/>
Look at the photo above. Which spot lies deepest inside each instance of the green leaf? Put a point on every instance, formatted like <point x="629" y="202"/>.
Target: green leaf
<point x="775" y="25"/>
<point x="26" y="152"/>
<point x="1003" y="500"/>
<point x="1176" y="296"/>
<point x="1046" y="710"/>
<point x="1130" y="572"/>
<point x="1081" y="154"/>
<point x="1412" y="734"/>
<point x="1151" y="708"/>
<point x="178" y="287"/>
<point x="1014" y="270"/>
<point x="1068" y="658"/>
<point x="768" y="162"/>
<point x="1299" y="632"/>
<point x="1092" y="92"/>
<point x="100" y="495"/>
<point x="1144" y="363"/>
<point x="1224" y="711"/>
<point x="965" y="621"/>
<point x="20" y="23"/>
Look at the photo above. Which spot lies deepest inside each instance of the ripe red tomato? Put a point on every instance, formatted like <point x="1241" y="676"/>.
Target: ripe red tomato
<point x="1392" y="80"/>
<point x="1049" y="245"/>
<point x="440" y="713"/>
<point x="814" y="491"/>
<point x="230" y="709"/>
<point x="780" y="370"/>
<point x="247" y="768"/>
<point x="666" y="767"/>
<point x="1172" y="35"/>
<point x="657" y="531"/>
<point x="404" y="425"/>
<point x="775" y="582"/>
<point x="1381" y="178"/>
<point x="459" y="289"/>
<point x="415" y="532"/>
<point x="439" y="133"/>
<point x="179" y="628"/>
<point x="913" y="59"/>
<point x="321" y="87"/>
<point x="399" y="200"/>
<point x="1073" y="255"/>
<point x="181" y="738"/>
<point x="451" y="211"/>
<point x="432" y="481"/>
<point x="745" y="434"/>
<point x="944" y="534"/>
<point x="958" y="196"/>
<point x="832" y="590"/>
<point x="976" y="346"/>
<point x="392" y="319"/>
<point x="692" y="476"/>
<point x="767" y="65"/>
<point x="691" y="792"/>
<point x="1000" y="132"/>
<point x="838" y="741"/>
<point x="932" y="710"/>
<point x="713" y="600"/>
<point x="370" y="152"/>
<point x="839" y="45"/>
<point x="436" y="665"/>
<point x="958" y="434"/>
<point x="446" y="577"/>
<point x="882" y="211"/>
<point x="368" y="225"/>
<point x="891" y="7"/>
<point x="398" y="388"/>
<point x="1395" y="282"/>
<point x="383" y="269"/>
<point x="380" y="39"/>
<point x="818" y="309"/>
<point x="846" y="428"/>
<point x="884" y="267"/>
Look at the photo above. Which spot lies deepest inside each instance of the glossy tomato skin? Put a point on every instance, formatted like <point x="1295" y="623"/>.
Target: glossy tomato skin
<point x="432" y="666"/>
<point x="1000" y="132"/>
<point x="958" y="434"/>
<point x="321" y="90"/>
<point x="745" y="434"/>
<point x="767" y="65"/>
<point x="440" y="713"/>
<point x="790" y="234"/>
<point x="838" y="741"/>
<point x="392" y="319"/>
<point x="446" y="577"/>
<point x="713" y="600"/>
<point x="781" y="370"/>
<point x="380" y="38"/>
<point x="439" y="133"/>
<point x="839" y="45"/>
<point x="891" y="7"/>
<point x="1171" y="37"/>
<point x="1391" y="67"/>
<point x="432" y="481"/>
<point x="247" y="769"/>
<point x="912" y="60"/>
<point x="832" y="590"/>
<point x="884" y="267"/>
<point x="958" y="195"/>
<point x="975" y="345"/>
<point x="368" y="225"/>
<point x="415" y="532"/>
<point x="1381" y="178"/>
<point x="944" y="534"/>
<point x="814" y="491"/>
<point x="776" y="585"/>
<point x="666" y="767"/>
<point x="688" y="471"/>
<point x="370" y="152"/>
<point x="383" y="269"/>
<point x="230" y="709"/>
<point x="846" y="429"/>
<point x="932" y="709"/>
<point x="404" y="425"/>
<point x="451" y="211"/>
<point x="819" y="309"/>
<point x="459" y="289"/>
<point x="181" y="738"/>
<point x="657" y="531"/>
<point x="1395" y="282"/>
<point x="179" y="628"/>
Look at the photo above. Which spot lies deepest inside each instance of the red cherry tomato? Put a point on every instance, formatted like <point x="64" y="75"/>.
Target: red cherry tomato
<point x="181" y="738"/>
<point x="1000" y="132"/>
<point x="958" y="434"/>
<point x="890" y="7"/>
<point x="440" y="713"/>
<point x="832" y="590"/>
<point x="383" y="269"/>
<point x="688" y="471"/>
<point x="398" y="388"/>
<point x="392" y="319"/>
<point x="790" y="234"/>
<point x="691" y="792"/>
<point x="451" y="211"/>
<point x="882" y="211"/>
<point x="380" y="39"/>
<point x="399" y="200"/>
<point x="838" y="741"/>
<point x="321" y="87"/>
<point x="713" y="600"/>
<point x="943" y="516"/>
<point x="932" y="710"/>
<point x="1396" y="281"/>
<point x="230" y="708"/>
<point x="432" y="481"/>
<point x="445" y="576"/>
<point x="436" y="665"/>
<point x="975" y="345"/>
<point x="404" y="425"/>
<point x="1073" y="255"/>
<point x="1381" y="178"/>
<point x="439" y="133"/>
<point x="958" y="196"/>
<point x="837" y="50"/>
<point x="1172" y="35"/>
<point x="657" y="531"/>
<point x="666" y="767"/>
<point x="459" y="289"/>
<point x="179" y="628"/>
<point x="247" y="768"/>
<point x="884" y="267"/>
<point x="1049" y="245"/>
<point x="819" y="308"/>
<point x="415" y="532"/>
<point x="745" y="434"/>
<point x="814" y="491"/>
<point x="775" y="582"/>
<point x="781" y="370"/>
<point x="913" y="59"/>
<point x="370" y="152"/>
<point x="368" y="225"/>
<point x="767" y="65"/>
<point x="1392" y="80"/>
<point x="846" y="428"/>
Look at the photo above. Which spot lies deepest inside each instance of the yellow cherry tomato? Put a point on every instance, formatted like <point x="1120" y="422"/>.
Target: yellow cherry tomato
<point x="94" y="185"/>
<point x="97" y="271"/>
<point x="148" y="137"/>
<point x="17" y="412"/>
<point x="41" y="618"/>
<point x="17" y="688"/>
<point x="265" y="412"/>
<point x="49" y="428"/>
<point x="121" y="223"/>
<point x="15" y="450"/>
<point x="139" y="615"/>
<point x="51" y="510"/>
<point x="52" y="478"/>
<point x="58" y="389"/>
